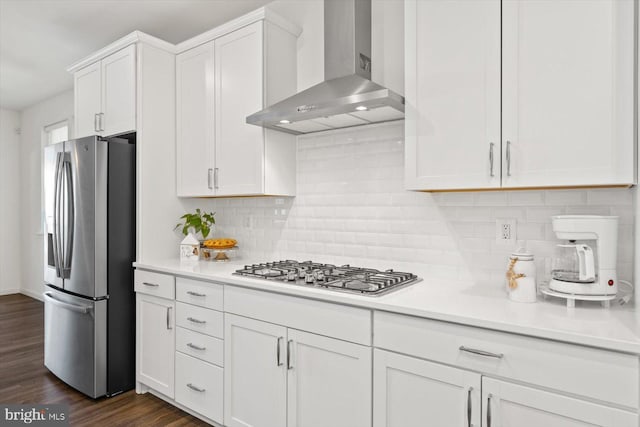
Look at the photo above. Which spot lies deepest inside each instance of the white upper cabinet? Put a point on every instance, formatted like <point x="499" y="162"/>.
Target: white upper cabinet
<point x="105" y="95"/>
<point x="238" y="83"/>
<point x="87" y="92"/>
<point x="220" y="83"/>
<point x="547" y="104"/>
<point x="194" y="113"/>
<point x="567" y="92"/>
<point x="452" y="112"/>
<point x="119" y="92"/>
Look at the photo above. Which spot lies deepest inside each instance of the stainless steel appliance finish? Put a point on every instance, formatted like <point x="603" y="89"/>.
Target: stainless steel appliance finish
<point x="75" y="344"/>
<point x="89" y="247"/>
<point x="347" y="97"/>
<point x="358" y="280"/>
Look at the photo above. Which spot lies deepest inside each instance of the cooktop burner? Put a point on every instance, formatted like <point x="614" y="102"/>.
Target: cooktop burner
<point x="365" y="281"/>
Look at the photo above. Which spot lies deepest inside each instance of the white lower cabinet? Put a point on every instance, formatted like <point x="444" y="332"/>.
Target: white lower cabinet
<point x="276" y="376"/>
<point x="329" y="382"/>
<point x="510" y="405"/>
<point x="155" y="330"/>
<point x="199" y="386"/>
<point x="255" y="384"/>
<point x="410" y="392"/>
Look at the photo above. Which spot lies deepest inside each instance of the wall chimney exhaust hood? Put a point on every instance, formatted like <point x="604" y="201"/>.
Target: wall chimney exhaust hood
<point x="347" y="97"/>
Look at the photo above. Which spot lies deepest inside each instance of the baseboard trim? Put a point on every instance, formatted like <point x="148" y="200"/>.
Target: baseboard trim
<point x="9" y="291"/>
<point x="31" y="294"/>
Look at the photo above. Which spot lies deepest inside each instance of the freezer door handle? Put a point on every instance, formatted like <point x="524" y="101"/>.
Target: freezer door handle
<point x="84" y="309"/>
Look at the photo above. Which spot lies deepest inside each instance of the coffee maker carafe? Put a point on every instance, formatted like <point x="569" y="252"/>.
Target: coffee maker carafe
<point x="585" y="263"/>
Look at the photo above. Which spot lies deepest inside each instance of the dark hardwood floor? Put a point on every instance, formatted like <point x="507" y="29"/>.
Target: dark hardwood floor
<point x="25" y="380"/>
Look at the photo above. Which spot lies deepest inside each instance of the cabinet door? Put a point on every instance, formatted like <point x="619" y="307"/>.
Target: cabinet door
<point x="329" y="382"/>
<point x="567" y="92"/>
<point x="119" y="92"/>
<point x="195" y="121"/>
<point x="155" y="333"/>
<point x="409" y="392"/>
<point x="255" y="373"/>
<point x="239" y="93"/>
<point x="452" y="77"/>
<point x="86" y="93"/>
<point x="511" y="405"/>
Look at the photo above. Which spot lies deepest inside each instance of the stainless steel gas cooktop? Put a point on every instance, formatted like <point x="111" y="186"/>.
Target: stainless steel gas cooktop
<point x="365" y="281"/>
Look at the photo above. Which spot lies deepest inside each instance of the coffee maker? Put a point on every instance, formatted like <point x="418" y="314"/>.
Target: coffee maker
<point x="585" y="263"/>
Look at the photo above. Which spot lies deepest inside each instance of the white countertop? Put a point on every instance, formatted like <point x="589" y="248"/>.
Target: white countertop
<point x="616" y="328"/>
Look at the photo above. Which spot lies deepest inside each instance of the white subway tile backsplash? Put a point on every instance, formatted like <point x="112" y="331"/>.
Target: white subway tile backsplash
<point x="351" y="207"/>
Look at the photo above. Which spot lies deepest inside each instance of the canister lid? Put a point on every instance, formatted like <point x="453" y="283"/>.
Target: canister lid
<point x="522" y="255"/>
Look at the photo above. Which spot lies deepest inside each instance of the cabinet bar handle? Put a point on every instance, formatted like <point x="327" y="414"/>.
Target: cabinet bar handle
<point x="169" y="318"/>
<point x="154" y="285"/>
<point x="198" y="389"/>
<point x="469" y="403"/>
<point x="215" y="178"/>
<point x="491" y="159"/>
<point x="289" y="366"/>
<point x="195" y="294"/>
<point x="278" y="361"/>
<point x="209" y="178"/>
<point x="201" y="322"/>
<point x="195" y="347"/>
<point x="489" y="410"/>
<point x="101" y="121"/>
<point x="95" y="122"/>
<point x="481" y="352"/>
<point x="508" y="158"/>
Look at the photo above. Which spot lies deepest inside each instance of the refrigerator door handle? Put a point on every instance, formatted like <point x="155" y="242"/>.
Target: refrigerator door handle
<point x="57" y="192"/>
<point x="70" y="223"/>
<point x="84" y="309"/>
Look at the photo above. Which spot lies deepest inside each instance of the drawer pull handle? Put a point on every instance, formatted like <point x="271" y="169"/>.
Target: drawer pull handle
<point x="469" y="403"/>
<point x="289" y="365"/>
<point x="153" y="285"/>
<point x="195" y="294"/>
<point x="481" y="352"/>
<point x="198" y="389"/>
<point x="201" y="322"/>
<point x="195" y="347"/>
<point x="278" y="361"/>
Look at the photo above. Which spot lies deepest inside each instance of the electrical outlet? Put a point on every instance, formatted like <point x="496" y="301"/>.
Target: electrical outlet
<point x="505" y="230"/>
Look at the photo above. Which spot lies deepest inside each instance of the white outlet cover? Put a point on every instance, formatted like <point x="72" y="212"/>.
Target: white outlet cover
<point x="511" y="224"/>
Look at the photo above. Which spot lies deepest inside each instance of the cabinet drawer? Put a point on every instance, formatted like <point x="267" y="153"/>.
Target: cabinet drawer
<point x="599" y="374"/>
<point x="199" y="345"/>
<point x="199" y="319"/>
<point x="195" y="292"/>
<point x="160" y="285"/>
<point x="199" y="386"/>
<point x="323" y="318"/>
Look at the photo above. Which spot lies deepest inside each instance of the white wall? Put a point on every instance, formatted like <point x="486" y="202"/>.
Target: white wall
<point x="10" y="230"/>
<point x="34" y="119"/>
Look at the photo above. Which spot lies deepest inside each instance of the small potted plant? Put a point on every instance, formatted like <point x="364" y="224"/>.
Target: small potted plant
<point x="198" y="222"/>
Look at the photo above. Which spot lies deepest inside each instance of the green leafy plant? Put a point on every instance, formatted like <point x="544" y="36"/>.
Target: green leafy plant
<point x="201" y="222"/>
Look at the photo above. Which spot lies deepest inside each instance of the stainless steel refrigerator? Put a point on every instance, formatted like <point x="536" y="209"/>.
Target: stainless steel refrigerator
<point x="89" y="302"/>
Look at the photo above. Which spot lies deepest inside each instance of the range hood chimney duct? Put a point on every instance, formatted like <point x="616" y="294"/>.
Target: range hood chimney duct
<point x="347" y="97"/>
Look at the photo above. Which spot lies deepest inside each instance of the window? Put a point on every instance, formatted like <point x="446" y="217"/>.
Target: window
<point x="56" y="132"/>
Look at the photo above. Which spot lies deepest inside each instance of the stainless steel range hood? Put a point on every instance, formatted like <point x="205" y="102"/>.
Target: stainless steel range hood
<point x="347" y="97"/>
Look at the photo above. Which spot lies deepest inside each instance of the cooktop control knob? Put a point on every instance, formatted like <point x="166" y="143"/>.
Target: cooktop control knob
<point x="309" y="278"/>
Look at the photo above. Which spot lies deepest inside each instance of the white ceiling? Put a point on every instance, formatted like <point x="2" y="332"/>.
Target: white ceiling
<point x="40" y="38"/>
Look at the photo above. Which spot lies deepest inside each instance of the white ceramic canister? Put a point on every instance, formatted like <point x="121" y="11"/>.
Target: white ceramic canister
<point x="521" y="277"/>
